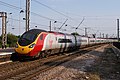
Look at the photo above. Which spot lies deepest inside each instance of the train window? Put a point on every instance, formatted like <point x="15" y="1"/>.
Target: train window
<point x="97" y="40"/>
<point x="41" y="37"/>
<point x="83" y="40"/>
<point x="27" y="38"/>
<point x="64" y="41"/>
<point x="60" y="40"/>
<point x="69" y="41"/>
<point x="92" y="41"/>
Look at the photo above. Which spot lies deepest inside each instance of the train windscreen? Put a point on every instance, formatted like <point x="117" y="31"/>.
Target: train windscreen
<point x="27" y="38"/>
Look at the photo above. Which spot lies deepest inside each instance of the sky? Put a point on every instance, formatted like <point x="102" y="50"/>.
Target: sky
<point x="99" y="16"/>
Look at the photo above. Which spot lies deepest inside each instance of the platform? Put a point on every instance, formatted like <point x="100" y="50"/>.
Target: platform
<point x="6" y="51"/>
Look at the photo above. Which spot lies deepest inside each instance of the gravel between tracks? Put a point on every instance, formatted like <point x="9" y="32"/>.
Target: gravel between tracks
<point x="78" y="68"/>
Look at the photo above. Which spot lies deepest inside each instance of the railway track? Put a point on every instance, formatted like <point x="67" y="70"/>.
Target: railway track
<point x="27" y="70"/>
<point x="5" y="58"/>
<point x="5" y="55"/>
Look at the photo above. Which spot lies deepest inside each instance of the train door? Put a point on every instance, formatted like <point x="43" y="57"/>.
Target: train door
<point x="75" y="41"/>
<point x="65" y="43"/>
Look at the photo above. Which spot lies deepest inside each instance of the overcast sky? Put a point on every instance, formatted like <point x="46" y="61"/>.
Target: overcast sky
<point x="99" y="15"/>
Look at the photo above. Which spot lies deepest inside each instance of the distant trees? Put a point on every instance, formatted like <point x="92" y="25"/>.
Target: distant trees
<point x="11" y="40"/>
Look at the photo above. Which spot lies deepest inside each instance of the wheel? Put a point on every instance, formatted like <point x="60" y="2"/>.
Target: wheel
<point x="42" y="54"/>
<point x="47" y="53"/>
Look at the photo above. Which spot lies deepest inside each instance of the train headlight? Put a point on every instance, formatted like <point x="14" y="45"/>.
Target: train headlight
<point x="32" y="45"/>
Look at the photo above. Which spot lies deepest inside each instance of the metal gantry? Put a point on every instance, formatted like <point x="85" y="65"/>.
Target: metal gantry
<point x="3" y="15"/>
<point x="118" y="29"/>
<point x="27" y="14"/>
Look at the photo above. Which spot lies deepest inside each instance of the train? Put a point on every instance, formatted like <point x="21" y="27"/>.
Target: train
<point x="37" y="43"/>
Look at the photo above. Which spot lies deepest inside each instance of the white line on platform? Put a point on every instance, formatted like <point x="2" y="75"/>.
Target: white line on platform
<point x="2" y="54"/>
<point x="5" y="62"/>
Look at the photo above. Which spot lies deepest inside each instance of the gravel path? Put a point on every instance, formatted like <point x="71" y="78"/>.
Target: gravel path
<point x="74" y="69"/>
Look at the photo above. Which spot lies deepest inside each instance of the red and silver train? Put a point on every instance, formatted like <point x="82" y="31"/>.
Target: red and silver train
<point x="40" y="43"/>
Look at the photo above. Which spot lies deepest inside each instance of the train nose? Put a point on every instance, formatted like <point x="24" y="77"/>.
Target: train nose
<point x="23" y="50"/>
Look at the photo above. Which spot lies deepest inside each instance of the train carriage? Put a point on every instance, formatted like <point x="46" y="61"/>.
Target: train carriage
<point x="35" y="43"/>
<point x="31" y="42"/>
<point x="39" y="43"/>
<point x="84" y="41"/>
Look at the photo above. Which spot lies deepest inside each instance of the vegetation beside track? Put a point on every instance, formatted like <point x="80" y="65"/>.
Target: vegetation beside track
<point x="11" y="40"/>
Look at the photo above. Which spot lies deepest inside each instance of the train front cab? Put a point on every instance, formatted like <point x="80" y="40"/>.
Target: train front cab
<point x="30" y="43"/>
